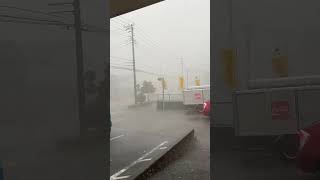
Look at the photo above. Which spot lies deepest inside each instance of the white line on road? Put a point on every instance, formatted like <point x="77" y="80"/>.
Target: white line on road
<point x="115" y="176"/>
<point x="121" y="177"/>
<point x="116" y="137"/>
<point x="163" y="148"/>
<point x="142" y="160"/>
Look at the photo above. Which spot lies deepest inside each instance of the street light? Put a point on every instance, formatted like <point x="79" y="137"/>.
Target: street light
<point x="162" y="83"/>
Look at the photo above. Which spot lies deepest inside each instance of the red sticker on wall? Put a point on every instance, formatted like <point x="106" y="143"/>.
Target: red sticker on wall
<point x="197" y="96"/>
<point x="280" y="110"/>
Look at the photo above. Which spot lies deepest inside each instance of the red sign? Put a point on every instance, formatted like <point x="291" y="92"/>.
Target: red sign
<point x="197" y="96"/>
<point x="280" y="110"/>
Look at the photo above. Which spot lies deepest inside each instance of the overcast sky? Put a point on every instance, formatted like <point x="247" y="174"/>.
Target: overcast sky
<point x="165" y="33"/>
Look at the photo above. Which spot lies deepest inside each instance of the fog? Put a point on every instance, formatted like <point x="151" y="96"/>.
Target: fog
<point x="165" y="34"/>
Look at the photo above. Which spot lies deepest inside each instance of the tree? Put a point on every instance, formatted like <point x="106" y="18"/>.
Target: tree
<point x="141" y="98"/>
<point x="147" y="88"/>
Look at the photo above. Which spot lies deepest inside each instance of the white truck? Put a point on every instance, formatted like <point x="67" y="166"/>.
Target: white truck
<point x="196" y="95"/>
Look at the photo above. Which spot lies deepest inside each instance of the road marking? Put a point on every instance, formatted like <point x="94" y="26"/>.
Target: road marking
<point x="115" y="176"/>
<point x="163" y="148"/>
<point x="121" y="177"/>
<point x="143" y="160"/>
<point x="116" y="137"/>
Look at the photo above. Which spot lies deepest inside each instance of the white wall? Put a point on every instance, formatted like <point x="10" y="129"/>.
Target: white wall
<point x="257" y="28"/>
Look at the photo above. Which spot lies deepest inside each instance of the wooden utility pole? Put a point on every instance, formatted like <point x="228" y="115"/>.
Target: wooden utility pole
<point x="79" y="59"/>
<point x="130" y="29"/>
<point x="79" y="56"/>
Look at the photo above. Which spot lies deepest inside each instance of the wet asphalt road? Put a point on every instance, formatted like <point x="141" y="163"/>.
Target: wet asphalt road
<point x="136" y="132"/>
<point x="193" y="159"/>
<point x="192" y="162"/>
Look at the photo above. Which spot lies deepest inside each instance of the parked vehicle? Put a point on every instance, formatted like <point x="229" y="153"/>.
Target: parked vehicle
<point x="308" y="156"/>
<point x="195" y="96"/>
<point x="206" y="108"/>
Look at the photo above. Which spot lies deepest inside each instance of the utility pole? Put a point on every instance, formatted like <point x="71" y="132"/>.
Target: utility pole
<point x="79" y="58"/>
<point x="79" y="55"/>
<point x="161" y="79"/>
<point x="130" y="29"/>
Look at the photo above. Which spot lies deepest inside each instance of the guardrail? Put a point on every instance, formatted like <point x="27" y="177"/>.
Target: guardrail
<point x="170" y="97"/>
<point x="169" y="101"/>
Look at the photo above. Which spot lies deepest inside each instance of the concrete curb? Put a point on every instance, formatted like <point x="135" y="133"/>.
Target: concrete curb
<point x="144" y="174"/>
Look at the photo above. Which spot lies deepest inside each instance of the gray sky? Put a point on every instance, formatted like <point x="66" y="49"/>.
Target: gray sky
<point x="165" y="33"/>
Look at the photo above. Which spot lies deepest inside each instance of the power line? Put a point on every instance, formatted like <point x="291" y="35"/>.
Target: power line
<point x="117" y="29"/>
<point x="115" y="57"/>
<point x="120" y="33"/>
<point x="146" y="43"/>
<point x="32" y="11"/>
<point x="40" y="22"/>
<point x="122" y="63"/>
<point x="147" y="37"/>
<point x="121" y="60"/>
<point x="32" y="22"/>
<point x="33" y="19"/>
<point x="120" y="45"/>
<point x="124" y="20"/>
<point x="144" y="40"/>
<point x="120" y="23"/>
<point x="142" y="34"/>
<point x="130" y="69"/>
<point x="122" y="68"/>
<point x="139" y="31"/>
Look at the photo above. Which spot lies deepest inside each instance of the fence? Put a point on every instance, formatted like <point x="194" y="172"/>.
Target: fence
<point x="170" y="97"/>
<point x="170" y="101"/>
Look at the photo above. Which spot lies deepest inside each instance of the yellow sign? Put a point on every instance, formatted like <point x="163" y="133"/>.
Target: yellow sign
<point x="197" y="82"/>
<point x="229" y="67"/>
<point x="164" y="84"/>
<point x="181" y="83"/>
<point x="280" y="65"/>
